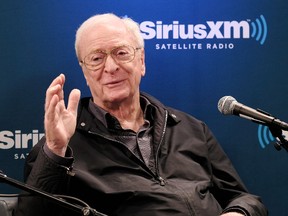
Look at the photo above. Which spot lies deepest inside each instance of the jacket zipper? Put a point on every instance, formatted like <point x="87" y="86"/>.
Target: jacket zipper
<point x="161" y="180"/>
<point x="156" y="175"/>
<point x="116" y="141"/>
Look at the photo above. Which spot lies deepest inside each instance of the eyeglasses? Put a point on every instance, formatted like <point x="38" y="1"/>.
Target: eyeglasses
<point x="121" y="54"/>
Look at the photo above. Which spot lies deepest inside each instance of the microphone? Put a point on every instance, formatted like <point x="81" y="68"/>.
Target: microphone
<point x="228" y="105"/>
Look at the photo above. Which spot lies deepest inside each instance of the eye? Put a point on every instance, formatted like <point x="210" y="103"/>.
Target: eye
<point x="122" y="52"/>
<point x="95" y="58"/>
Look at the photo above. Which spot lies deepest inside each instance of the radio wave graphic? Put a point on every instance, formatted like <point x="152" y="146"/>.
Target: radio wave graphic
<point x="265" y="137"/>
<point x="259" y="29"/>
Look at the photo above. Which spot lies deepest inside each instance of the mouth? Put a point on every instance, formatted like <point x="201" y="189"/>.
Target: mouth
<point x="113" y="84"/>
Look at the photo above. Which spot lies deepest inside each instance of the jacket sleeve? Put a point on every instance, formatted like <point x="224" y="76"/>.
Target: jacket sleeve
<point x="229" y="189"/>
<point x="45" y="174"/>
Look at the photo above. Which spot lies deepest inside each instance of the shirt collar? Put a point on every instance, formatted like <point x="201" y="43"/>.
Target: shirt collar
<point x="110" y="121"/>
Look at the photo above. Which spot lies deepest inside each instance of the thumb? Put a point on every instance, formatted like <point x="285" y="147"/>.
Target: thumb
<point x="73" y="101"/>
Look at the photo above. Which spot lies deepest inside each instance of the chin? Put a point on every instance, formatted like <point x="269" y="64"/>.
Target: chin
<point x="118" y="96"/>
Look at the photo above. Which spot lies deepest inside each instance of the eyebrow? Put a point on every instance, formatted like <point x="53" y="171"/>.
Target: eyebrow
<point x="105" y="51"/>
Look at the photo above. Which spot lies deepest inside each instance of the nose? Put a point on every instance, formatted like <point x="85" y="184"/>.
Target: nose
<point x="111" y="65"/>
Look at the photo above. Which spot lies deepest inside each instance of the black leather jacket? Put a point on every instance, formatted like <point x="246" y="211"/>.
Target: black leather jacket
<point x="193" y="175"/>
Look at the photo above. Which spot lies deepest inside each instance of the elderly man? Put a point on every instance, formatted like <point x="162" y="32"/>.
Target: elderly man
<point x="122" y="151"/>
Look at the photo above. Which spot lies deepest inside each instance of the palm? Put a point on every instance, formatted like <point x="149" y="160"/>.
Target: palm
<point x="60" y="121"/>
<point x="63" y="126"/>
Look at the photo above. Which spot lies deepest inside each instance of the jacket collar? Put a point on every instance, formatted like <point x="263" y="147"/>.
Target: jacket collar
<point x="172" y="117"/>
<point x="85" y="119"/>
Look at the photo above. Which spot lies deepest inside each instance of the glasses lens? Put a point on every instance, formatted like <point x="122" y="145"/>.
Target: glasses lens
<point x="94" y="59"/>
<point x="123" y="54"/>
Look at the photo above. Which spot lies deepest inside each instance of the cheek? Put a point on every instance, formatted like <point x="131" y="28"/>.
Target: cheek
<point x="91" y="77"/>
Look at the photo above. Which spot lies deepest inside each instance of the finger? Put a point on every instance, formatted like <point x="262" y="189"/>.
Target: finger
<point x="58" y="80"/>
<point x="51" y="113"/>
<point x="73" y="101"/>
<point x="50" y="93"/>
<point x="56" y="87"/>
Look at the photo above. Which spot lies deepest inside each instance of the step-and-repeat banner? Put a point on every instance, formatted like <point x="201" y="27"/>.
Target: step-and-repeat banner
<point x="196" y="53"/>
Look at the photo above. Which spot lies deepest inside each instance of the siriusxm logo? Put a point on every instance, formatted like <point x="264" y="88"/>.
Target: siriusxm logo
<point x="265" y="136"/>
<point x="259" y="29"/>
<point x="244" y="29"/>
<point x="19" y="140"/>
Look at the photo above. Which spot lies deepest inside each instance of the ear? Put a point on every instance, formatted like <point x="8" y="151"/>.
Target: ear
<point x="143" y="66"/>
<point x="84" y="73"/>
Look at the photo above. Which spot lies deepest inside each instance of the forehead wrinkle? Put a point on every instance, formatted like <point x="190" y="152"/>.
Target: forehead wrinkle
<point x="103" y="37"/>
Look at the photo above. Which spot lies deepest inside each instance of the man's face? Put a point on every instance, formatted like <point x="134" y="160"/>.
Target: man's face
<point x="113" y="83"/>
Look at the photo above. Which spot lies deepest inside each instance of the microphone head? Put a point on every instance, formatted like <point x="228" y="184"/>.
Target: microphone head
<point x="226" y="105"/>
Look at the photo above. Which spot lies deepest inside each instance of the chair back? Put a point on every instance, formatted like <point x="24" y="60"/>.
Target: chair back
<point x="7" y="205"/>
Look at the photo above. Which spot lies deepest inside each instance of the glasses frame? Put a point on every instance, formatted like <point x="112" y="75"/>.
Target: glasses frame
<point x="97" y="67"/>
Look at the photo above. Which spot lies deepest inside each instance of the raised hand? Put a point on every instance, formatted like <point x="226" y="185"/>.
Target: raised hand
<point x="59" y="121"/>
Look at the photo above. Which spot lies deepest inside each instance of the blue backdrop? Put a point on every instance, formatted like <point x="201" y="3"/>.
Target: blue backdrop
<point x="196" y="52"/>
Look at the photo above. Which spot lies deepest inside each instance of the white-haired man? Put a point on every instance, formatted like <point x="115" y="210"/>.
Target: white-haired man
<point x="122" y="151"/>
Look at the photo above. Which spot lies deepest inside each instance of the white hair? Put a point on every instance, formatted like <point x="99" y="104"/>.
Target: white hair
<point x="130" y="24"/>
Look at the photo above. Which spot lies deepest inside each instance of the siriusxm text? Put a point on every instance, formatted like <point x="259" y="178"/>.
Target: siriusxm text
<point x="19" y="140"/>
<point x="208" y="30"/>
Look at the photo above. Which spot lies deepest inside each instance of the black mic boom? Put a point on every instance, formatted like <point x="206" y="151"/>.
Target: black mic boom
<point x="228" y="105"/>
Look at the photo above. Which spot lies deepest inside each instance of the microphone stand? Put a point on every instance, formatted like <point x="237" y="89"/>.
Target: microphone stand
<point x="281" y="141"/>
<point x="85" y="211"/>
<point x="276" y="131"/>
